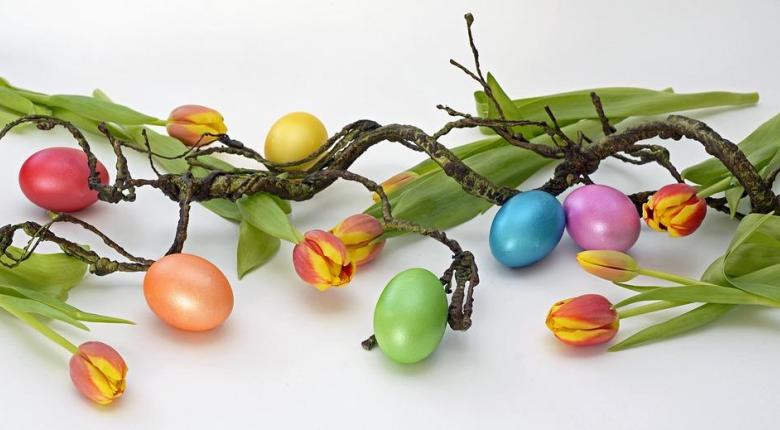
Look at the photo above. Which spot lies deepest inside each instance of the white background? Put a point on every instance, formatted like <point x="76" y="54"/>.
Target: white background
<point x="289" y="356"/>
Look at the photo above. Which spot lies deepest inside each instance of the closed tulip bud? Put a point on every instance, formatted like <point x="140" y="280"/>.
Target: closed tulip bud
<point x="359" y="233"/>
<point x="189" y="123"/>
<point x="675" y="209"/>
<point x="396" y="182"/>
<point x="613" y="266"/>
<point x="583" y="321"/>
<point x="322" y="260"/>
<point x="98" y="372"/>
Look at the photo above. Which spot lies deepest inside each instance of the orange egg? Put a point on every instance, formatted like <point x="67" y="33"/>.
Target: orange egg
<point x="188" y="292"/>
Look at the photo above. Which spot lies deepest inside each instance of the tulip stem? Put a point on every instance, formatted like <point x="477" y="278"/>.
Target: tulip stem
<point x="718" y="187"/>
<point x="646" y="309"/>
<point x="668" y="277"/>
<point x="41" y="328"/>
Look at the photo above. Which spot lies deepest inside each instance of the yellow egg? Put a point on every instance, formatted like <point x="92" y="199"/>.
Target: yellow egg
<point x="293" y="137"/>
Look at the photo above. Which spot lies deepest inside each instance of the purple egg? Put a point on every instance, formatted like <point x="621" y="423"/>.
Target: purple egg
<point x="601" y="217"/>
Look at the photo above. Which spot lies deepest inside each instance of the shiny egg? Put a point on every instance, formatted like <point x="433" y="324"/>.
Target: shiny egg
<point x="526" y="228"/>
<point x="601" y="217"/>
<point x="188" y="292"/>
<point x="411" y="316"/>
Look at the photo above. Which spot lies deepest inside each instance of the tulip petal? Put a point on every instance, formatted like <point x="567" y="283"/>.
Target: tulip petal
<point x="189" y="123"/>
<point x="589" y="319"/>
<point x="321" y="260"/>
<point x="359" y="233"/>
<point x="99" y="372"/>
<point x="613" y="266"/>
<point x="586" y="337"/>
<point x="675" y="209"/>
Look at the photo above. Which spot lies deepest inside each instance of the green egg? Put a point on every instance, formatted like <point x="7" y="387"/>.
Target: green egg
<point x="411" y="316"/>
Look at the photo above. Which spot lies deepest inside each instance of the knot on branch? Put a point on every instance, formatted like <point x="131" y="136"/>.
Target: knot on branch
<point x="463" y="272"/>
<point x="103" y="266"/>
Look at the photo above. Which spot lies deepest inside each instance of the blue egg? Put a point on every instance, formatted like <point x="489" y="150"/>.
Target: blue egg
<point x="526" y="228"/>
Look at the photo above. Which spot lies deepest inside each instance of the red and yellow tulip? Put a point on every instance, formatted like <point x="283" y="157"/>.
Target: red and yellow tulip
<point x="98" y="372"/>
<point x="321" y="260"/>
<point x="675" y="209"/>
<point x="395" y="182"/>
<point x="613" y="266"/>
<point x="586" y="320"/>
<point x="359" y="233"/>
<point x="189" y="123"/>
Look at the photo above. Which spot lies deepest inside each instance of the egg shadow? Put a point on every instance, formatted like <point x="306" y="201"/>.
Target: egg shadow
<point x="188" y="338"/>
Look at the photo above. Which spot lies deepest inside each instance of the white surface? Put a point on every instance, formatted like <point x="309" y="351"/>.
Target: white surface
<point x="289" y="356"/>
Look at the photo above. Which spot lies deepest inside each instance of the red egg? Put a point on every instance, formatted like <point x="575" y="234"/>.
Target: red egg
<point x="57" y="179"/>
<point x="188" y="292"/>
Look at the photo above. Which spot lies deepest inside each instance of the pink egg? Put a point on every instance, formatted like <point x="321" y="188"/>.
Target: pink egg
<point x="601" y="217"/>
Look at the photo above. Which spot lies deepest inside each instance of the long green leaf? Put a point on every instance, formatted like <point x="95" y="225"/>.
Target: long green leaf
<point x="688" y="321"/>
<point x="40" y="327"/>
<point x="508" y="108"/>
<point x="261" y="211"/>
<point x="637" y="288"/>
<point x="6" y="117"/>
<point x="53" y="274"/>
<point x="32" y="306"/>
<point x="703" y="293"/>
<point x="100" y="110"/>
<point x="618" y="103"/>
<point x="255" y="248"/>
<point x="9" y="99"/>
<point x="55" y="303"/>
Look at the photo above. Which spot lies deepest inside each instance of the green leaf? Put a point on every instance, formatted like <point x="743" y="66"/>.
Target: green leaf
<point x="31" y="306"/>
<point x="282" y="203"/>
<point x="507" y="107"/>
<point x="255" y="248"/>
<point x="688" y="321"/>
<point x="733" y="196"/>
<point x="55" y="303"/>
<point x="746" y="228"/>
<point x="53" y="274"/>
<point x="618" y="103"/>
<point x="6" y="117"/>
<point x="86" y="125"/>
<point x="40" y="327"/>
<point x="100" y="110"/>
<point x="261" y="211"/>
<point x="702" y="293"/>
<point x="637" y="288"/>
<point x="11" y="100"/>
<point x="224" y="208"/>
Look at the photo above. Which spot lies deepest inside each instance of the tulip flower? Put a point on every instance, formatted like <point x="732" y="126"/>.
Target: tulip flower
<point x="613" y="266"/>
<point x="583" y="321"/>
<point x="189" y="123"/>
<point x="359" y="233"/>
<point x="675" y="209"/>
<point x="98" y="372"/>
<point x="395" y="182"/>
<point x="321" y="260"/>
